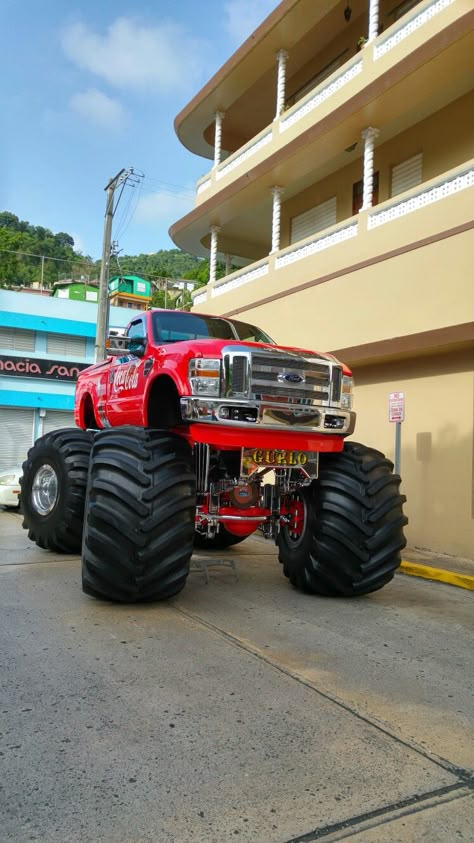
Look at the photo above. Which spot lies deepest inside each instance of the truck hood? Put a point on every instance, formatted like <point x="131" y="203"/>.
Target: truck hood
<point x="212" y="347"/>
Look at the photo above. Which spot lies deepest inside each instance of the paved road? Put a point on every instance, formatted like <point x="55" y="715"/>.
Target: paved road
<point x="238" y="711"/>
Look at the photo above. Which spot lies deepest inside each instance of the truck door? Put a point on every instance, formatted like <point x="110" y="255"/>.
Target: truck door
<point x="126" y="384"/>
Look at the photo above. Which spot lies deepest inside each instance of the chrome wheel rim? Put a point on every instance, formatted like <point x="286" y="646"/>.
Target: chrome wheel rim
<point x="44" y="490"/>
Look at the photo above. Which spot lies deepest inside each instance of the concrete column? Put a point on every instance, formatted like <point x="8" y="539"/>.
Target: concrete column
<point x="213" y="253"/>
<point x="373" y="19"/>
<point x="369" y="136"/>
<point x="282" y="57"/>
<point x="228" y="264"/>
<point x="277" y="193"/>
<point x="218" y="138"/>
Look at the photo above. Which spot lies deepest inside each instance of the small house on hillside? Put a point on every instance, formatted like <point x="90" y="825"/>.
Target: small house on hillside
<point x="77" y="290"/>
<point x="129" y="291"/>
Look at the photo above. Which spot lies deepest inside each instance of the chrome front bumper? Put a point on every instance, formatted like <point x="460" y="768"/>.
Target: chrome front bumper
<point x="268" y="416"/>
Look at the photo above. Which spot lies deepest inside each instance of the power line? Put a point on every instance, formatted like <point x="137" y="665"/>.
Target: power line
<point x="83" y="262"/>
<point x="122" y="230"/>
<point x="180" y="187"/>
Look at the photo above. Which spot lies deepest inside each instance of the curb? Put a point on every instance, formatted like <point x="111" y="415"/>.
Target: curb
<point x="412" y="569"/>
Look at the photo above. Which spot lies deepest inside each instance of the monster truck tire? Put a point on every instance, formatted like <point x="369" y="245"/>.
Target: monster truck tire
<point x="222" y="540"/>
<point x="53" y="489"/>
<point x="139" y="515"/>
<point x="353" y="526"/>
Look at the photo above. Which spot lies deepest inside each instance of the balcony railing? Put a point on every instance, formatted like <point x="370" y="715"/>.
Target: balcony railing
<point x="441" y="187"/>
<point x="416" y="18"/>
<point x="322" y="92"/>
<point x="317" y="243"/>
<point x="235" y="159"/>
<point x="203" y="183"/>
<point x="423" y="195"/>
<point x="243" y="154"/>
<point x="242" y="276"/>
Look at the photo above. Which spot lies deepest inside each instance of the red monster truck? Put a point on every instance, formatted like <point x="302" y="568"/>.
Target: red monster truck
<point x="197" y="431"/>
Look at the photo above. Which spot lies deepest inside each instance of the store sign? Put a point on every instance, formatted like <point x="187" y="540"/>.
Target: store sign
<point x="396" y="406"/>
<point x="34" y="367"/>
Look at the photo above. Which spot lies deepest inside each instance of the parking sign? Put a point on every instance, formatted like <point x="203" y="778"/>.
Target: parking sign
<point x="396" y="406"/>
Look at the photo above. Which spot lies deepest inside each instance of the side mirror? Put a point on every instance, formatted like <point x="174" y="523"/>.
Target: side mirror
<point x="116" y="346"/>
<point x="137" y="345"/>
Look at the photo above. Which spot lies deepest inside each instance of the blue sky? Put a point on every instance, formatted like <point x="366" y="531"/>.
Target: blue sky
<point x="90" y="87"/>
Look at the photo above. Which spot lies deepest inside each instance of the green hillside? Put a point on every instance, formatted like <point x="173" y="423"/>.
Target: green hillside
<point x="32" y="254"/>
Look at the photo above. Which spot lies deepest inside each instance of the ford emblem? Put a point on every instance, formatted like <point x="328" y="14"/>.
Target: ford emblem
<point x="291" y="377"/>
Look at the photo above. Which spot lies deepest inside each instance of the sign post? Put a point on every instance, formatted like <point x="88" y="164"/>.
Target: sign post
<point x="396" y="414"/>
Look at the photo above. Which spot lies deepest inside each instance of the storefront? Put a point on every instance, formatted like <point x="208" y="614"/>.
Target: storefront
<point x="44" y="344"/>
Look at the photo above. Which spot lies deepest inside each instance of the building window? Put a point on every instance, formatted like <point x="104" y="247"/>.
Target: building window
<point x="316" y="219"/>
<point x="407" y="174"/>
<point x="358" y="194"/>
<point x="17" y="339"/>
<point x="65" y="346"/>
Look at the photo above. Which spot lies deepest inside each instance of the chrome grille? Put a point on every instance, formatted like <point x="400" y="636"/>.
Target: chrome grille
<point x="285" y="377"/>
<point x="239" y="369"/>
<point x="271" y="376"/>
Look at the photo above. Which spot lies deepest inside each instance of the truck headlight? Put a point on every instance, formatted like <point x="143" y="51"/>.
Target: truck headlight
<point x="205" y="376"/>
<point x="346" y="395"/>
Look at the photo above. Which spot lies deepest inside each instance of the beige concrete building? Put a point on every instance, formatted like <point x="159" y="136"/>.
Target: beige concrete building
<point x="342" y="185"/>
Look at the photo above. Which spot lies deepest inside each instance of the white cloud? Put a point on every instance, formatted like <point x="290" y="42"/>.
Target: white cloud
<point x="98" y="108"/>
<point x="134" y="56"/>
<point x="162" y="207"/>
<point x="78" y="243"/>
<point x="241" y="17"/>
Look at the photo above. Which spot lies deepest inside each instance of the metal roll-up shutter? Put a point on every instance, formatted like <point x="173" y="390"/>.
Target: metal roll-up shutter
<point x="316" y="219"/>
<point x="66" y="346"/>
<point x="54" y="419"/>
<point x="17" y="339"/>
<point x="16" y="424"/>
<point x="407" y="174"/>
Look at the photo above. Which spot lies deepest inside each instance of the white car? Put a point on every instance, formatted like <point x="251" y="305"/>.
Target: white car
<point x="10" y="486"/>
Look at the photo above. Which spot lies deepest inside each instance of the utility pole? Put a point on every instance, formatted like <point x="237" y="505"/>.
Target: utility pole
<point x="131" y="177"/>
<point x="102" y="309"/>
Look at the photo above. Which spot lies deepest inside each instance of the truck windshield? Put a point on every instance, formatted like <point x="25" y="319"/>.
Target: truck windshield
<point x="176" y="326"/>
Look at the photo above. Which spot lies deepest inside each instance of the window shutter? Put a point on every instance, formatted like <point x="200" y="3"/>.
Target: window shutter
<point x="17" y="435"/>
<point x="65" y="346"/>
<point x="407" y="174"/>
<point x="56" y="419"/>
<point x="17" y="340"/>
<point x="316" y="219"/>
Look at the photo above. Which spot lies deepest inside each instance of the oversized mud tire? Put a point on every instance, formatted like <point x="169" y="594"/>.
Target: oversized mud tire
<point x="352" y="526"/>
<point x="53" y="489"/>
<point x="220" y="542"/>
<point x="139" y="516"/>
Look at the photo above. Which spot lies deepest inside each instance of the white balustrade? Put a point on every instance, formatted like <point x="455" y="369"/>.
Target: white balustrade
<point x="200" y="298"/>
<point x="325" y="90"/>
<point x="422" y="198"/>
<point x="203" y="185"/>
<point x="243" y="154"/>
<point x="417" y="19"/>
<point x="238" y="279"/>
<point x="316" y="244"/>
